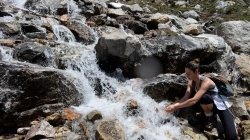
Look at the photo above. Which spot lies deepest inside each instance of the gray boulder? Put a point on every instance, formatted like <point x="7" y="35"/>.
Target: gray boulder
<point x="166" y="87"/>
<point x="30" y="92"/>
<point x="34" y="53"/>
<point x="82" y="32"/>
<point x="236" y="34"/>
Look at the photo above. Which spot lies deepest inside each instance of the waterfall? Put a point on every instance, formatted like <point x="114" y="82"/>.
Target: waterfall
<point x="6" y="54"/>
<point x="18" y="3"/>
<point x="63" y="34"/>
<point x="72" y="8"/>
<point x="151" y="122"/>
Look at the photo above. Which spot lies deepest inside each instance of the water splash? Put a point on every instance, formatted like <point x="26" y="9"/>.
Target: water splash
<point x="1" y="35"/>
<point x="17" y="3"/>
<point x="72" y="8"/>
<point x="63" y="34"/>
<point x="6" y="54"/>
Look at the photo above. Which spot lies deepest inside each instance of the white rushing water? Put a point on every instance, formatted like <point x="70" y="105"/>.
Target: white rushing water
<point x="6" y="53"/>
<point x="151" y="122"/>
<point x="63" y="34"/>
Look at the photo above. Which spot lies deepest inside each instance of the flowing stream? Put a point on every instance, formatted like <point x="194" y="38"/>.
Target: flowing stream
<point x="150" y="123"/>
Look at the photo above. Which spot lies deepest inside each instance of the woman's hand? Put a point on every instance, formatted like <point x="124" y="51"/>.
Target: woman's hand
<point x="170" y="108"/>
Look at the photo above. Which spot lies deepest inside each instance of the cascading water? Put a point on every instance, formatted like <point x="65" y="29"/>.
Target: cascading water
<point x="63" y="34"/>
<point x="151" y="122"/>
<point x="6" y="54"/>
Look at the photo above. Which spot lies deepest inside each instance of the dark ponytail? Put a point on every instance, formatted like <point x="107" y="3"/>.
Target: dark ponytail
<point x="193" y="65"/>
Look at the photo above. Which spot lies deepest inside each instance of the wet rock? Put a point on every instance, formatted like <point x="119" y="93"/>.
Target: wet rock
<point x="98" y="20"/>
<point x="132" y="104"/>
<point x="34" y="53"/>
<point x="107" y="130"/>
<point x="47" y="7"/>
<point x="61" y="132"/>
<point x="114" y="48"/>
<point x="94" y="115"/>
<point x="9" y="42"/>
<point x="132" y="108"/>
<point x="10" y="28"/>
<point x="55" y="119"/>
<point x="32" y="31"/>
<point x="82" y="32"/>
<point x="194" y="134"/>
<point x="162" y="87"/>
<point x="31" y="92"/>
<point x="4" y="14"/>
<point x="85" y="129"/>
<point x="41" y="130"/>
<point x="70" y="114"/>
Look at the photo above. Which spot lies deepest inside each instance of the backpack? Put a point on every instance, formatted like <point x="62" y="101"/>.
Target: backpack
<point x="222" y="84"/>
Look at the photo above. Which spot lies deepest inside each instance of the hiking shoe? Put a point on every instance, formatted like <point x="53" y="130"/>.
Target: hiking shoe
<point x="210" y="123"/>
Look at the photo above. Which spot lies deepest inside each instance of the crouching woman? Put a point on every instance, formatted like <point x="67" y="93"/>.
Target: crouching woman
<point x="206" y="94"/>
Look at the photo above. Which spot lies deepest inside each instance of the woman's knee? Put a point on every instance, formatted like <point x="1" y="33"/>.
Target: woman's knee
<point x="206" y="99"/>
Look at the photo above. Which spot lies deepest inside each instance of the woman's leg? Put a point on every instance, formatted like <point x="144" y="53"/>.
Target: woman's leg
<point x="227" y="121"/>
<point x="206" y="103"/>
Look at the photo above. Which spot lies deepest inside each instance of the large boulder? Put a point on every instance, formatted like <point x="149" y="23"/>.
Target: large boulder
<point x="236" y="34"/>
<point x="116" y="48"/>
<point x="242" y="73"/>
<point x="148" y="57"/>
<point x="34" y="53"/>
<point x="166" y="87"/>
<point x="82" y="32"/>
<point x="30" y="92"/>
